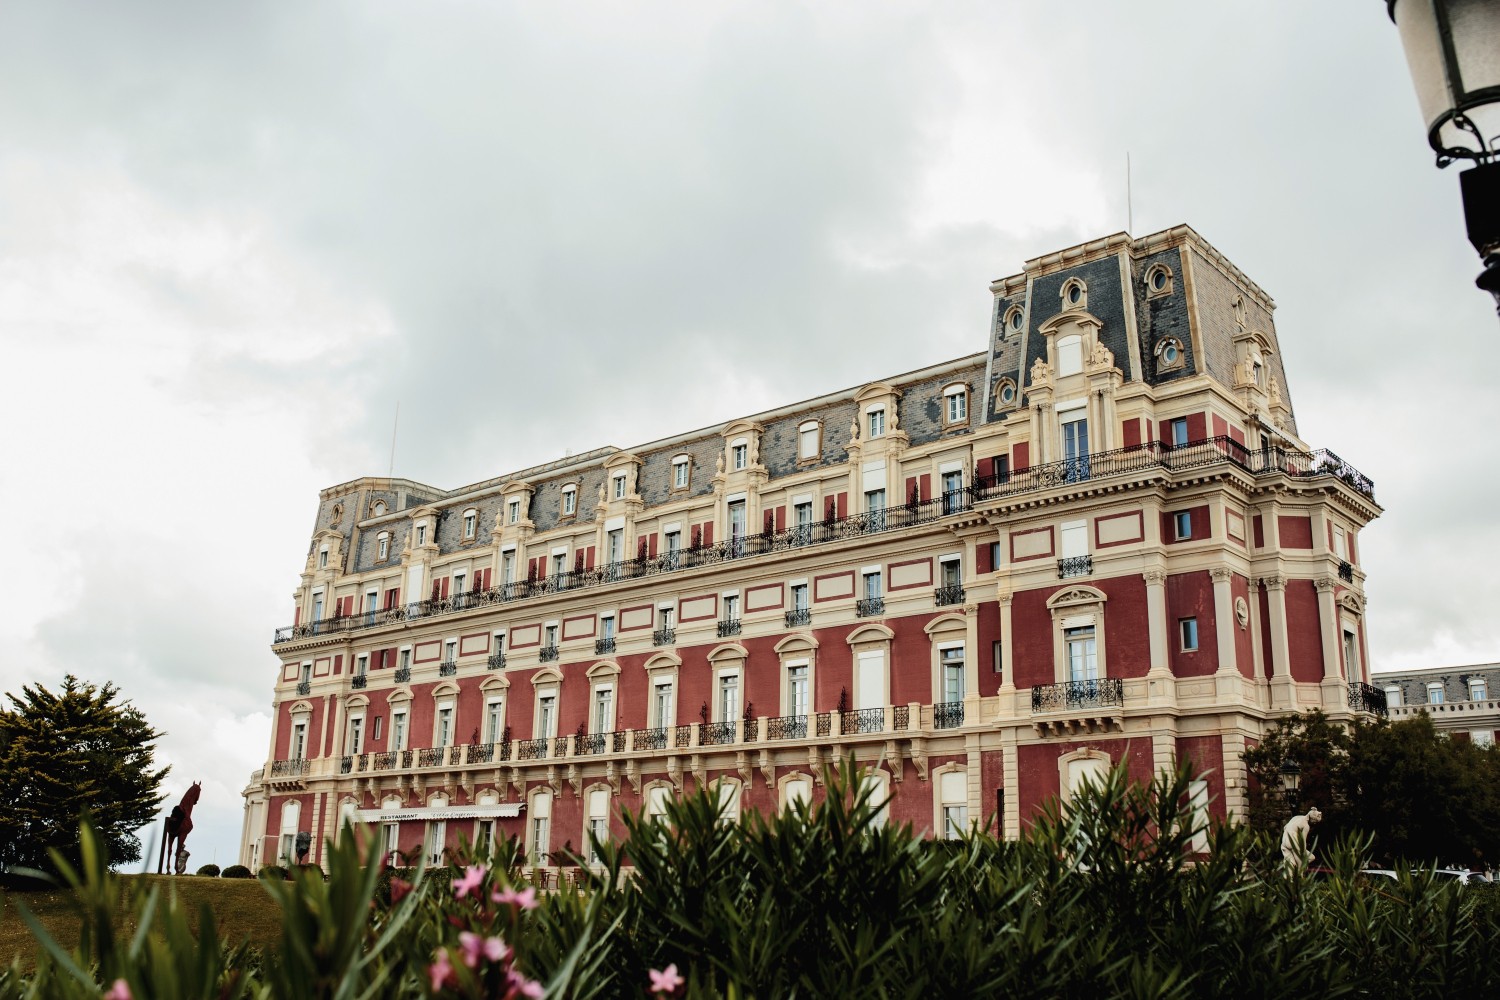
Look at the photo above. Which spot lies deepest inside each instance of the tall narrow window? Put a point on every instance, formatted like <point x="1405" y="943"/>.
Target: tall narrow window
<point x="546" y="716"/>
<point x="953" y="492"/>
<point x="807" y="441"/>
<point x="1435" y="693"/>
<point x="738" y="527"/>
<point x="802" y="514"/>
<point x="1179" y="432"/>
<point x="421" y="534"/>
<point x="1069" y="356"/>
<point x="357" y="735"/>
<point x="398" y="731"/>
<point x="541" y="822"/>
<point x="493" y="713"/>
<point x="322" y="558"/>
<point x="680" y="467"/>
<point x="550" y="636"/>
<point x="1075" y="444"/>
<point x="618" y="492"/>
<point x="570" y="501"/>
<point x="796" y="689"/>
<point x="872" y="586"/>
<point x="740" y="456"/>
<point x="1182" y="525"/>
<point x="953" y="789"/>
<point x="674" y="549"/>
<point x="598" y="822"/>
<point x="382" y="546"/>
<point x="471" y="521"/>
<point x="299" y="741"/>
<point x="437" y="839"/>
<point x="731" y="607"/>
<point x="508" y="567"/>
<point x="512" y="511"/>
<point x="604" y="710"/>
<point x="1351" y="657"/>
<point x="1188" y="627"/>
<point x="951" y="662"/>
<point x="607" y="626"/>
<point x="957" y="403"/>
<point x="1478" y="689"/>
<point x="614" y="546"/>
<point x="729" y="697"/>
<point x="444" y="727"/>
<point x="799" y="597"/>
<point x="1079" y="643"/>
<point x="875" y="422"/>
<point x="875" y="506"/>
<point x="317" y="614"/>
<point x="559" y="560"/>
<point x="661" y="706"/>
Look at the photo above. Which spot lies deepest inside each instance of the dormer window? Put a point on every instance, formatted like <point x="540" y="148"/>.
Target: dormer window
<point x="808" y="443"/>
<point x="1069" y="356"/>
<point x="378" y="510"/>
<point x="421" y="534"/>
<point x="1005" y="393"/>
<point x="1169" y="354"/>
<point x="323" y="557"/>
<point x="1158" y="280"/>
<point x="1258" y="371"/>
<point x="512" y="511"/>
<point x="1013" y="319"/>
<point x="875" y="422"/>
<point x="956" y="404"/>
<point x="681" y="469"/>
<point x="617" y="489"/>
<point x="1075" y="294"/>
<point x="739" y="455"/>
<point x="471" y="523"/>
<point x="569" y="501"/>
<point x="383" y="545"/>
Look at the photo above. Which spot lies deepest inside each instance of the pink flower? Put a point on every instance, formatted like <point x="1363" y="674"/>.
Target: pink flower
<point x="399" y="888"/>
<point x="119" y="990"/>
<point x="472" y="880"/>
<point x="667" y="980"/>
<point x="525" y="899"/>
<point x="440" y="972"/>
<point x="519" y="986"/>
<point x="475" y="947"/>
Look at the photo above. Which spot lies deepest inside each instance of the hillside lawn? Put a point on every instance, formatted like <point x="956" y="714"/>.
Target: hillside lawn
<point x="242" y="906"/>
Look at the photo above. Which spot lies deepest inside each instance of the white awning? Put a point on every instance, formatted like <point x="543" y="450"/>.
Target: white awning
<point x="505" y="810"/>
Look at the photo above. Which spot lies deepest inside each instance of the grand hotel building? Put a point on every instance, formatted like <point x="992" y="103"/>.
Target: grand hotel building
<point x="1101" y="539"/>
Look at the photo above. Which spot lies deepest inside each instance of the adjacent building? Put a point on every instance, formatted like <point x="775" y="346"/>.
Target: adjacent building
<point x="1100" y="539"/>
<point x="1461" y="701"/>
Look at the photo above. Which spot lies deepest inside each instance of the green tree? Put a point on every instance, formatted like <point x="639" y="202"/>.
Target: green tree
<point x="78" y="751"/>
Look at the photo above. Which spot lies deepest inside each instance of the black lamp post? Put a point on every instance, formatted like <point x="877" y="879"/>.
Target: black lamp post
<point x="1453" y="50"/>
<point x="1291" y="775"/>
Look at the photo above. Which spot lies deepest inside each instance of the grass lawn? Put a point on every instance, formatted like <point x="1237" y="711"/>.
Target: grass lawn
<point x="243" y="907"/>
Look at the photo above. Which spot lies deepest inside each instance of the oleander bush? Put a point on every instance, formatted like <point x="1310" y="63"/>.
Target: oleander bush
<point x="1105" y="899"/>
<point x="212" y="871"/>
<point x="272" y="871"/>
<point x="236" y="871"/>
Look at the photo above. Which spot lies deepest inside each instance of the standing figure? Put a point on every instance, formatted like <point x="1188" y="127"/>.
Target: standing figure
<point x="1294" y="836"/>
<point x="179" y="824"/>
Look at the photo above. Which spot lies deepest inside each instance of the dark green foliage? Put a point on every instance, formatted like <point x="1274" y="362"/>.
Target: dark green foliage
<point x="212" y="871"/>
<point x="1421" y="796"/>
<point x="237" y="871"/>
<point x="274" y="872"/>
<point x="63" y="755"/>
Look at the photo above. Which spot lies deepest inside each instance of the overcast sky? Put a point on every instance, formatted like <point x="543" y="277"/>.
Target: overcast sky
<point x="234" y="236"/>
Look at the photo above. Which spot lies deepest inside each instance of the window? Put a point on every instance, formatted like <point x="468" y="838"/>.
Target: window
<point x="1182" y="524"/>
<point x="508" y="566"/>
<point x="729" y="697"/>
<point x="494" y="713"/>
<point x="1198" y="803"/>
<point x="953" y="491"/>
<point x="362" y="664"/>
<point x="665" y="617"/>
<point x="437" y="839"/>
<point x="323" y="558"/>
<point x="872" y="786"/>
<point x="570" y="501"/>
<point x="405" y="659"/>
<point x="1482" y="737"/>
<point x="1478" y="690"/>
<point x="378" y="510"/>
<point x="471" y="521"/>
<point x="383" y="545"/>
<point x="950" y="572"/>
<point x="680" y="470"/>
<point x="796" y="689"/>
<point x="391" y="832"/>
<point x="657" y="797"/>
<point x="956" y="404"/>
<point x="1188" y="629"/>
<point x="512" y="511"/>
<point x="661" y="704"/>
<point x="541" y="821"/>
<point x="872" y="586"/>
<point x="559" y="560"/>
<point x="444" y="735"/>
<point x="306" y="673"/>
<point x="459" y="579"/>
<point x="604" y="710"/>
<point x="875" y="420"/>
<point x="875" y="505"/>
<point x="1179" y="432"/>
<point x="614" y="546"/>
<point x="794" y="791"/>
<point x="739" y="526"/>
<point x="731" y="607"/>
<point x="1393" y="697"/>
<point x="317" y="614"/>
<point x="994" y="556"/>
<point x="549" y="636"/>
<point x="1070" y="356"/>
<point x="299" y="741"/>
<point x="607" y="626"/>
<point x="1005" y="392"/>
<point x="739" y="455"/>
<point x="1435" y="693"/>
<point x="546" y="715"/>
<point x="953" y="790"/>
<point x="1079" y="646"/>
<point x="674" y="548"/>
<point x="729" y="801"/>
<point x="598" y="825"/>
<point x="1351" y="654"/>
<point x="1074" y="536"/>
<point x="802" y="517"/>
<point x="375" y="727"/>
<point x="951" y="668"/>
<point x="398" y="731"/>
<point x="484" y="835"/>
<point x="617" y="487"/>
<point x="450" y="651"/>
<point x="421" y="534"/>
<point x="357" y="735"/>
<point x="799" y="597"/>
<point x="807" y="441"/>
<point x="1340" y="542"/>
<point x="1074" y="425"/>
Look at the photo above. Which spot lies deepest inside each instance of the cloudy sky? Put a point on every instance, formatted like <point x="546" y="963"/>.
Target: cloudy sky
<point x="234" y="237"/>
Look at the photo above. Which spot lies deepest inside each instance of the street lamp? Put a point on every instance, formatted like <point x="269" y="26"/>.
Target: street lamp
<point x="1291" y="775"/>
<point x="1453" y="51"/>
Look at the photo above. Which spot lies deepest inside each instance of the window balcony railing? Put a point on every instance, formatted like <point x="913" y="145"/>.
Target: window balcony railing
<point x="496" y="661"/>
<point x="1346" y="571"/>
<point x="867" y="606"/>
<point x="729" y="627"/>
<point x="531" y="749"/>
<point x="602" y="646"/>
<point x="1368" y="698"/>
<point x="947" y="715"/>
<point x="901" y="717"/>
<point x="386" y="761"/>
<point x="864" y="720"/>
<point x="664" y="637"/>
<point x="448" y="668"/>
<point x="787" y="727"/>
<point x="304" y="687"/>
<point x="1074" y="566"/>
<point x="824" y="724"/>
<point x="715" y="733"/>
<point x="1105" y="692"/>
<point x="346" y="764"/>
<point x="953" y="593"/>
<point x="590" y="743"/>
<point x="1144" y="457"/>
<point x="560" y="746"/>
<point x="479" y="753"/>
<point x="617" y="741"/>
<point x="294" y="768"/>
<point x="358" y="681"/>
<point x="798" y="617"/>
<point x="682" y="737"/>
<point x="752" y="729"/>
<point x="649" y="739"/>
<point x="403" y="675"/>
<point x="547" y="654"/>
<point x="432" y="756"/>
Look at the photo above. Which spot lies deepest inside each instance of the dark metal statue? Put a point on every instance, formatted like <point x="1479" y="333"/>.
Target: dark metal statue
<point x="179" y="825"/>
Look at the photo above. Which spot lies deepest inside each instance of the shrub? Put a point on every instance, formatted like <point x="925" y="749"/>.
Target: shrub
<point x="236" y="871"/>
<point x="272" y="872"/>
<point x="212" y="871"/>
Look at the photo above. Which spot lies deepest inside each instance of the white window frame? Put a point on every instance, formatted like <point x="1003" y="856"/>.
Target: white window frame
<point x="1393" y="697"/>
<point x="1069" y="355"/>
<point x="569" y="501"/>
<point x="875" y="421"/>
<point x="539" y="827"/>
<point x="1182" y="525"/>
<point x="494" y="718"/>
<point x="956" y="405"/>
<point x="739" y="455"/>
<point x="952" y="804"/>
<point x="513" y="510"/>
<point x="809" y="432"/>
<point x="383" y="545"/>
<point x="1435" y="687"/>
<point x="445" y="716"/>
<point x="398" y="728"/>
<point x="682" y="472"/>
<point x="617" y="486"/>
<point x="471" y="523"/>
<point x="1184" y="627"/>
<point x="422" y="534"/>
<point x="544" y="723"/>
<point x="1482" y="686"/>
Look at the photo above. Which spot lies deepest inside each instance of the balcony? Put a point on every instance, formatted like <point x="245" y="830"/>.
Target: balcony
<point x="953" y="593"/>
<point x="863" y="720"/>
<point x="787" y="727"/>
<point x="532" y="749"/>
<point x="432" y="756"/>
<point x="868" y="606"/>
<point x="1074" y="566"/>
<point x="403" y="675"/>
<point x="682" y="737"/>
<point x="387" y="761"/>
<point x="590" y="743"/>
<point x="664" y="637"/>
<point x="649" y="739"/>
<point x="1075" y="707"/>
<point x="715" y="733"/>
<point x="602" y="646"/>
<point x="294" y="768"/>
<point x="304" y="687"/>
<point x="358" y="681"/>
<point x="496" y="661"/>
<point x="798" y="617"/>
<point x="448" y="668"/>
<point x="1135" y="460"/>
<point x="1367" y="698"/>
<point x="547" y="654"/>
<point x="947" y="715"/>
<point x="729" y="627"/>
<point x="1346" y="572"/>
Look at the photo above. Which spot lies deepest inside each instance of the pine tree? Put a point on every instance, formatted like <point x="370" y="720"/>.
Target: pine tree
<point x="76" y="751"/>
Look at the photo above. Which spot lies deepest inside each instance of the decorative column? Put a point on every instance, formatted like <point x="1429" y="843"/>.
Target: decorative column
<point x="1236" y="798"/>
<point x="1007" y="668"/>
<point x="971" y="668"/>
<point x="1282" y="695"/>
<point x="1334" y="696"/>
<point x="1156" y="621"/>
<point x="1223" y="576"/>
<point x="1010" y="823"/>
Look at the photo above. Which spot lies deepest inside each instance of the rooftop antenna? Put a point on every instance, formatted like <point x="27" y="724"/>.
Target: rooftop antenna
<point x="394" y="424"/>
<point x="1129" y="208"/>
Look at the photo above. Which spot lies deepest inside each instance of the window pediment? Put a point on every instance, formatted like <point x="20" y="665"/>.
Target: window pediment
<point x="1071" y="597"/>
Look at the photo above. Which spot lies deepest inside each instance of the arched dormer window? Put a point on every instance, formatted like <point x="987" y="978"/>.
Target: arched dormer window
<point x="1012" y="321"/>
<point x="1005" y="394"/>
<point x="1075" y="294"/>
<point x="809" y="440"/>
<point x="471" y="524"/>
<point x="1158" y="281"/>
<point x="956" y="405"/>
<point x="1169" y="354"/>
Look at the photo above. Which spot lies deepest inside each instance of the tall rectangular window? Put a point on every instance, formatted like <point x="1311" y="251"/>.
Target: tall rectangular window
<point x="607" y="626"/>
<point x="875" y="505"/>
<point x="673" y="541"/>
<point x="299" y="741"/>
<point x="619" y="487"/>
<point x="729" y="697"/>
<point x="1075" y="444"/>
<point x="680" y="473"/>
<point x="1182" y="524"/>
<point x="546" y="716"/>
<point x="614" y="546"/>
<point x="875" y="422"/>
<point x="570" y="503"/>
<point x="1351" y="655"/>
<point x="437" y="838"/>
<point x="398" y="731"/>
<point x="802" y="515"/>
<point x="740" y="455"/>
<point x="1478" y="689"/>
<point x="731" y="607"/>
<point x="799" y="597"/>
<point x="1435" y="693"/>
<point x="661" y="704"/>
<point x="1179" y="432"/>
<point x="951" y="662"/>
<point x="470" y="520"/>
<point x="559" y="560"/>
<point x="1079" y="645"/>
<point x="1188" y="627"/>
<point x="872" y="586"/>
<point x="512" y="511"/>
<point x="508" y="567"/>
<point x="493" y="713"/>
<point x="796" y="689"/>
<point x="421" y="534"/>
<point x="604" y="710"/>
<point x="444" y="727"/>
<point x="953" y="491"/>
<point x="807" y="441"/>
<point x="317" y="614"/>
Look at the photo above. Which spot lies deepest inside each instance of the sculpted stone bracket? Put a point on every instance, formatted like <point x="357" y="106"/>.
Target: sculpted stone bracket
<point x="742" y="765"/>
<point x="893" y="759"/>
<point x="815" y="763"/>
<point x="633" y="773"/>
<point x="700" y="770"/>
<point x="1079" y="725"/>
<point x="518" y="782"/>
<point x="576" y="780"/>
<point x="674" y="773"/>
<point x="612" y="777"/>
<point x="767" y="769"/>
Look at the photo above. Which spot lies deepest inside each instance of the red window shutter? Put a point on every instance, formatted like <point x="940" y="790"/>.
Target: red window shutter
<point x="910" y="493"/>
<point x="708" y="532"/>
<point x="588" y="557"/>
<point x="651" y="546"/>
<point x="296" y="615"/>
<point x="781" y="518"/>
<point x="1130" y="432"/>
<point x="924" y="483"/>
<point x="338" y="663"/>
<point x="437" y="589"/>
<point x="1021" y="454"/>
<point x="1197" y="427"/>
<point x="446" y="581"/>
<point x="842" y="501"/>
<point x="984" y="468"/>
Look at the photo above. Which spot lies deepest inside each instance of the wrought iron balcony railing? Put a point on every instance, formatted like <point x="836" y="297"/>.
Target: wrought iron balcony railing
<point x="864" y="720"/>
<point x="403" y="675"/>
<point x="346" y="764"/>
<point x="304" y="687"/>
<point x="823" y="724"/>
<point x="649" y="739"/>
<point x="901" y="717"/>
<point x="1141" y="458"/>
<point x="1368" y="698"/>
<point x="496" y="661"/>
<point x="432" y="756"/>
<point x="479" y="753"/>
<point x="1105" y="692"/>
<point x="751" y="729"/>
<point x="787" y="727"/>
<point x="867" y="606"/>
<point x="682" y="737"/>
<point x="664" y="637"/>
<point x="729" y="627"/>
<point x="602" y="646"/>
<point x="358" y="681"/>
<point x="798" y="617"/>
<point x="448" y="668"/>
<point x="715" y="733"/>
<point x="560" y="746"/>
<point x="590" y="743"/>
<point x="296" y="767"/>
<point x="951" y="594"/>
<point x="1074" y="566"/>
<point x="947" y="715"/>
<point x="531" y="749"/>
<point x="1346" y="571"/>
<point x="547" y="654"/>
<point x="385" y="761"/>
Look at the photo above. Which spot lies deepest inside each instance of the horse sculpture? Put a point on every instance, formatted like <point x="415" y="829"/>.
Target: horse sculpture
<point x="179" y="825"/>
